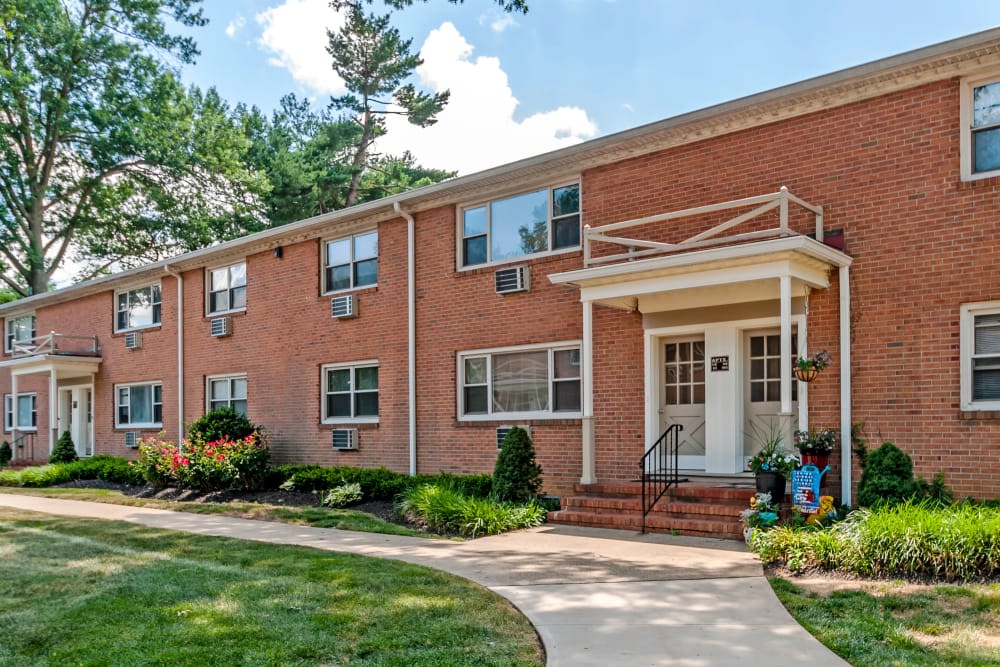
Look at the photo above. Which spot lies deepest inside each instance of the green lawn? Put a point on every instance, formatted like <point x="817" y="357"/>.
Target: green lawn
<point x="88" y="592"/>
<point x="893" y="624"/>
<point x="320" y="517"/>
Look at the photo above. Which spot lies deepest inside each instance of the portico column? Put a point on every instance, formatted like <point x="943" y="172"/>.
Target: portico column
<point x="13" y="412"/>
<point x="53" y="409"/>
<point x="786" y="344"/>
<point x="845" y="384"/>
<point x="588" y="475"/>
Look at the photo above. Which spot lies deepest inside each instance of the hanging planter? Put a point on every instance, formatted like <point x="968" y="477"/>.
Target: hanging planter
<point x="806" y="374"/>
<point x="807" y="369"/>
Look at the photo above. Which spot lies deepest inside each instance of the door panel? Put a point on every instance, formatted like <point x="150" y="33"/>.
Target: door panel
<point x="762" y="390"/>
<point x="683" y="397"/>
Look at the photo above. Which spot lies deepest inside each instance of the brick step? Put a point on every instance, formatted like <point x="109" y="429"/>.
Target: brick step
<point x="685" y="491"/>
<point x="661" y="523"/>
<point x="667" y="505"/>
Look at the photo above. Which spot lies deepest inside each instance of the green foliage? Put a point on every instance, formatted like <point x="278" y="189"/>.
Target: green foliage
<point x="64" y="451"/>
<point x="510" y="6"/>
<point x="446" y="510"/>
<point x="342" y="496"/>
<point x="517" y="477"/>
<point x="887" y="477"/>
<point x="376" y="483"/>
<point x="221" y="423"/>
<point x="5" y="454"/>
<point x="107" y="468"/>
<point x="215" y="465"/>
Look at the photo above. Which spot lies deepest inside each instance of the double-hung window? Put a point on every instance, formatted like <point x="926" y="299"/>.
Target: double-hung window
<point x="350" y="392"/>
<point x="227" y="289"/>
<point x="27" y="412"/>
<point x="980" y="141"/>
<point x="351" y="262"/>
<point x="139" y="405"/>
<point x="526" y="224"/>
<point x="137" y="308"/>
<point x="524" y="382"/>
<point x="980" y="356"/>
<point x="18" y="330"/>
<point x="228" y="392"/>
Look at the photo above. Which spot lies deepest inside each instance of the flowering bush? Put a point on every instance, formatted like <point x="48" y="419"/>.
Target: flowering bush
<point x="207" y="466"/>
<point x="816" y="442"/>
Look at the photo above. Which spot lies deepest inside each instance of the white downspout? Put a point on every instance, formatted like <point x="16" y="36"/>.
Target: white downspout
<point x="180" y="351"/>
<point x="845" y="384"/>
<point x="411" y="332"/>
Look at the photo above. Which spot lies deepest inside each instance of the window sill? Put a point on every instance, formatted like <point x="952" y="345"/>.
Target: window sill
<point x="499" y="420"/>
<point x="523" y="259"/>
<point x="350" y="423"/>
<point x="351" y="290"/>
<point x="223" y="313"/>
<point x="138" y="427"/>
<point x="122" y="332"/>
<point x="28" y="429"/>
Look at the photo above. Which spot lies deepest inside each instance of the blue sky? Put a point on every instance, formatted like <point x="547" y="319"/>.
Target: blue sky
<point x="569" y="70"/>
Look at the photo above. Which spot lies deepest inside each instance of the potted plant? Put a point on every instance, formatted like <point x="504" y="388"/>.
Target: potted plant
<point x="815" y="446"/>
<point x="771" y="466"/>
<point x="807" y="368"/>
<point x="762" y="513"/>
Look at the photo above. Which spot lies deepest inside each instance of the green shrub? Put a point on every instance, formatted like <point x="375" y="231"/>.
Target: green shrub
<point x="517" y="477"/>
<point x="5" y="454"/>
<point x="376" y="483"/>
<point x="342" y="496"/>
<point x="446" y="510"/>
<point x="64" y="451"/>
<point x="222" y="424"/>
<point x="887" y="477"/>
<point x="206" y="466"/>
<point x="108" y="468"/>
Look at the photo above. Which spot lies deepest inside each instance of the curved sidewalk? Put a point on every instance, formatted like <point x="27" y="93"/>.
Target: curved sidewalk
<point x="597" y="597"/>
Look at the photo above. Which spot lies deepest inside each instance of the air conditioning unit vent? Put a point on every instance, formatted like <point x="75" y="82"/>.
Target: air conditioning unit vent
<point x="221" y="326"/>
<point x="502" y="432"/>
<point x="343" y="307"/>
<point x="132" y="439"/>
<point x="344" y="438"/>
<point x="514" y="279"/>
<point x="133" y="340"/>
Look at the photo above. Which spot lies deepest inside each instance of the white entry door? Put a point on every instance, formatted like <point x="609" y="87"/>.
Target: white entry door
<point x="76" y="415"/>
<point x="683" y="396"/>
<point x="762" y="391"/>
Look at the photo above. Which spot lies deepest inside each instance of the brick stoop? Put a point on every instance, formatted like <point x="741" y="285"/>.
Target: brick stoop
<point x="690" y="509"/>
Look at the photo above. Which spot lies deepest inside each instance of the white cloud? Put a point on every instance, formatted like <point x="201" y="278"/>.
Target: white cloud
<point x="628" y="107"/>
<point x="477" y="129"/>
<point x="498" y="22"/>
<point x="235" y="26"/>
<point x="295" y="32"/>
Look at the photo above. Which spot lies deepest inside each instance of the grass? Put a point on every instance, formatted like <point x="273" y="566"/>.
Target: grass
<point x="320" y="517"/>
<point x="88" y="592"/>
<point x="898" y="624"/>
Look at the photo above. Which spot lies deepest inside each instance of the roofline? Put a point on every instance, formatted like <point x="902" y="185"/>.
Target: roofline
<point x="919" y="66"/>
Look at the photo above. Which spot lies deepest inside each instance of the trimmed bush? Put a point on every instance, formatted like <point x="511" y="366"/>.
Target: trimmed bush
<point x="517" y="477"/>
<point x="5" y="454"/>
<point x="108" y="468"/>
<point x="222" y="424"/>
<point x="64" y="451"/>
<point x="887" y="477"/>
<point x="447" y="510"/>
<point x="376" y="483"/>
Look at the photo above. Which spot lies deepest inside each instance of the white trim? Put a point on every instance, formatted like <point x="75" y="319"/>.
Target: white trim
<point x="353" y="366"/>
<point x="846" y="472"/>
<point x="114" y="308"/>
<point x="324" y="290"/>
<point x="13" y="318"/>
<point x="208" y="288"/>
<point x="225" y="376"/>
<point x="10" y="410"/>
<point x="965" y="125"/>
<point x="967" y="345"/>
<point x="128" y="385"/>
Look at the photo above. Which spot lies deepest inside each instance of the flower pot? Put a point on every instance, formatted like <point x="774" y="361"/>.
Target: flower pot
<point x="806" y="374"/>
<point x="818" y="460"/>
<point x="773" y="483"/>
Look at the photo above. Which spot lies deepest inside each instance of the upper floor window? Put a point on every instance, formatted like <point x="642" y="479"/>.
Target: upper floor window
<point x="18" y="330"/>
<point x="228" y="392"/>
<point x="139" y="404"/>
<point x="137" y="308"/>
<point x="351" y="262"/>
<point x="980" y="356"/>
<point x="525" y="224"/>
<point x="27" y="412"/>
<point x="227" y="289"/>
<point x="980" y="141"/>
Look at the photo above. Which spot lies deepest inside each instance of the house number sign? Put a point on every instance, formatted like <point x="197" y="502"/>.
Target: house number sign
<point x="720" y="364"/>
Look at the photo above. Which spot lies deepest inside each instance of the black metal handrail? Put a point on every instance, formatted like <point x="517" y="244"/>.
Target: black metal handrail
<point x="24" y="446"/>
<point x="659" y="467"/>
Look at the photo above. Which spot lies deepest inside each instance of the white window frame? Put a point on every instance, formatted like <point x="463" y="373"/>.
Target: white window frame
<point x="460" y="227"/>
<point x="229" y="378"/>
<point x="8" y="413"/>
<point x="208" y="288"/>
<point x="965" y="123"/>
<point x="156" y="321"/>
<point x="324" y="266"/>
<point x="967" y="344"/>
<point x="8" y="324"/>
<point x="491" y="416"/>
<point x="324" y="391"/>
<point x="152" y="395"/>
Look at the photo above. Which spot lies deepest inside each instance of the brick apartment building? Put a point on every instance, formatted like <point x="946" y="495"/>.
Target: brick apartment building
<point x="596" y="294"/>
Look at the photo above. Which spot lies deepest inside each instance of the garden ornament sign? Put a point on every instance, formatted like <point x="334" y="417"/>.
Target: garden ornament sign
<point x="805" y="488"/>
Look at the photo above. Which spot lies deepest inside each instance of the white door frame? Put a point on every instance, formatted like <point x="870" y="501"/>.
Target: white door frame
<point x="70" y="416"/>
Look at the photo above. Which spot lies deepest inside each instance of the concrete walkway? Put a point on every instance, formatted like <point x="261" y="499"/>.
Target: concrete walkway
<point x="597" y="597"/>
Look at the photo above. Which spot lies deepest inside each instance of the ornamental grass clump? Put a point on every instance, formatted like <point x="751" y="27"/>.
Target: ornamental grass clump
<point x="446" y="510"/>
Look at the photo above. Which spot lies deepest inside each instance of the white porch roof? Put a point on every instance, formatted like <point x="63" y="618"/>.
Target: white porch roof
<point x="53" y="365"/>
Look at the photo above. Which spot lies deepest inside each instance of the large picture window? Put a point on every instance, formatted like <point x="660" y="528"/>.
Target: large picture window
<point x="138" y="308"/>
<point x="350" y="392"/>
<point x="27" y="412"/>
<point x="522" y="382"/>
<point x="351" y="262"/>
<point x="227" y="289"/>
<point x="526" y="224"/>
<point x="139" y="405"/>
<point x="228" y="392"/>
<point x="980" y="355"/>
<point x="18" y="330"/>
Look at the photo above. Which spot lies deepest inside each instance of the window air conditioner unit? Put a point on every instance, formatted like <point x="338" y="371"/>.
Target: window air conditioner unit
<point x="221" y="326"/>
<point x="132" y="439"/>
<point x="344" y="438"/>
<point x="514" y="279"/>
<point x="343" y="307"/>
<point x="133" y="340"/>
<point x="502" y="432"/>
